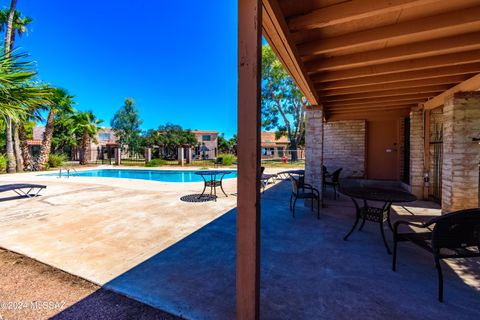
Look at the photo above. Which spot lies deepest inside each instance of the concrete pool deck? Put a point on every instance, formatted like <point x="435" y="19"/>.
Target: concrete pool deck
<point x="98" y="228"/>
<point x="180" y="257"/>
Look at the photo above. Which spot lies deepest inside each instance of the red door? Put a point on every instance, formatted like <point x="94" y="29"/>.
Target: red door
<point x="382" y="150"/>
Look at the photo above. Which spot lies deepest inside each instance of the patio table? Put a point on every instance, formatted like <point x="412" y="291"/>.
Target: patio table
<point x="212" y="179"/>
<point x="375" y="214"/>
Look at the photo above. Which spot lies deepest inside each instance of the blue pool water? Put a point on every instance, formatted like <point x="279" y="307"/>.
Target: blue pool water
<point x="155" y="175"/>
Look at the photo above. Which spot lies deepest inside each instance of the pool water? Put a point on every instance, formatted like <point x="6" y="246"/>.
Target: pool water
<point x="155" y="175"/>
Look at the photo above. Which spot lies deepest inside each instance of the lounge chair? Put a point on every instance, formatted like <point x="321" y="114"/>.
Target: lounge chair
<point x="266" y="178"/>
<point x="23" y="189"/>
<point x="302" y="190"/>
<point x="454" y="235"/>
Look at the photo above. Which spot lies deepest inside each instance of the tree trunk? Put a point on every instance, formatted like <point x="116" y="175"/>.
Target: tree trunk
<point x="12" y="165"/>
<point x="293" y="149"/>
<point x="83" y="153"/>
<point x="46" y="143"/>
<point x="9" y="30"/>
<point x="16" y="147"/>
<point x="27" y="157"/>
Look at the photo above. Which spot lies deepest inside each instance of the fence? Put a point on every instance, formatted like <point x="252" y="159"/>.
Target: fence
<point x="279" y="154"/>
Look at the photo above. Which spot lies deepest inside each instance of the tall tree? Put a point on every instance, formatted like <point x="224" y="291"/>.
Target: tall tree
<point x="283" y="105"/>
<point x="126" y="125"/>
<point x="18" y="95"/>
<point x="62" y="102"/>
<point x="11" y="166"/>
<point x="12" y="23"/>
<point x="171" y="136"/>
<point x="86" y="126"/>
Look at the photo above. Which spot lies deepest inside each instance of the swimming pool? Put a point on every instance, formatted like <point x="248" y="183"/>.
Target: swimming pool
<point x="155" y="175"/>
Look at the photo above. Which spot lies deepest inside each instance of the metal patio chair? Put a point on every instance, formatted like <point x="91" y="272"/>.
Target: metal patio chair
<point x="301" y="190"/>
<point x="454" y="235"/>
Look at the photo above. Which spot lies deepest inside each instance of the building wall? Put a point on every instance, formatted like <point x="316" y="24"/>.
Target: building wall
<point x="416" y="152"/>
<point x="314" y="147"/>
<point x="461" y="155"/>
<point x="212" y="145"/>
<point x="344" y="147"/>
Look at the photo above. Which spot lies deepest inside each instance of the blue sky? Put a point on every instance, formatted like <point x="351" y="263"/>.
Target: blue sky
<point x="177" y="59"/>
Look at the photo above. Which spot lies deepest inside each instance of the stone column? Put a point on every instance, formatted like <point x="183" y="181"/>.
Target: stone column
<point x="461" y="154"/>
<point x="416" y="152"/>
<point x="118" y="156"/>
<point x="148" y="154"/>
<point x="180" y="156"/>
<point x="189" y="155"/>
<point x="314" y="147"/>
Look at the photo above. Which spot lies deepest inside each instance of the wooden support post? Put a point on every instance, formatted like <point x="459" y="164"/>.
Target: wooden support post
<point x="426" y="152"/>
<point x="249" y="154"/>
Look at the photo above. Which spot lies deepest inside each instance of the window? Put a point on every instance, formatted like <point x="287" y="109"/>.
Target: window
<point x="104" y="136"/>
<point x="206" y="137"/>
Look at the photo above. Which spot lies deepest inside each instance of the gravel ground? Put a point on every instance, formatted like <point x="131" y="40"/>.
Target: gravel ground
<point x="32" y="290"/>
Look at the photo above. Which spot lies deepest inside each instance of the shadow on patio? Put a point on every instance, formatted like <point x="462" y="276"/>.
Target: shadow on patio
<point x="307" y="271"/>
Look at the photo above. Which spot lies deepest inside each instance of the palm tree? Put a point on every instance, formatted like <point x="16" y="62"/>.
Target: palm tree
<point x="86" y="126"/>
<point x="19" y="24"/>
<point x="62" y="102"/>
<point x="18" y="95"/>
<point x="12" y="23"/>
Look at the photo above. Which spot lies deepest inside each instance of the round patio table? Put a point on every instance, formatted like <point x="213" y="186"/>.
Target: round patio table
<point x="212" y="179"/>
<point x="375" y="214"/>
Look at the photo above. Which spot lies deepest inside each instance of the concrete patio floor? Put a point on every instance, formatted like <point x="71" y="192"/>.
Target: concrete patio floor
<point x="98" y="228"/>
<point x="180" y="257"/>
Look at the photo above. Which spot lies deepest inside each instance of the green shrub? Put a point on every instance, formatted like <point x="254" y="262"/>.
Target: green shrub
<point x="3" y="163"/>
<point x="156" y="163"/>
<point x="228" y="159"/>
<point x="56" y="160"/>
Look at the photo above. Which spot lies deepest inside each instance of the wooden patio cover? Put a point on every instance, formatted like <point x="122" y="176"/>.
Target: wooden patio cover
<point x="357" y="59"/>
<point x="364" y="58"/>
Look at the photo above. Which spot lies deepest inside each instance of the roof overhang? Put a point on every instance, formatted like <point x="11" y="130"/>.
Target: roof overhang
<point x="372" y="59"/>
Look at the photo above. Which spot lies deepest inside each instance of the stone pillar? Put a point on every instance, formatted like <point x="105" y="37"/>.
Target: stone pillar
<point x="189" y="155"/>
<point x="148" y="154"/>
<point x="180" y="156"/>
<point x="118" y="156"/>
<point x="461" y="154"/>
<point x="416" y="152"/>
<point x="314" y="147"/>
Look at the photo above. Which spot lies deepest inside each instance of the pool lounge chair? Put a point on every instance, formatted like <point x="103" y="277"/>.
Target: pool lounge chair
<point x="265" y="179"/>
<point x="23" y="189"/>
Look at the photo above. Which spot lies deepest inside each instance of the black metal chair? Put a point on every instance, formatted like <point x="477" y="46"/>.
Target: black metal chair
<point x="301" y="190"/>
<point x="454" y="235"/>
<point x="218" y="161"/>
<point x="332" y="180"/>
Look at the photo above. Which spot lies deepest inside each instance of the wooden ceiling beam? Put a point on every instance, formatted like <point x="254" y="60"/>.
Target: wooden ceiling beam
<point x="396" y="85"/>
<point x="390" y="93"/>
<point x="405" y="30"/>
<point x="349" y="11"/>
<point x="340" y="105"/>
<point x="276" y="32"/>
<point x="371" y="115"/>
<point x="422" y="49"/>
<point x="472" y="84"/>
<point x="452" y="59"/>
<point x="413" y="96"/>
<point x="404" y="76"/>
<point x="367" y="109"/>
